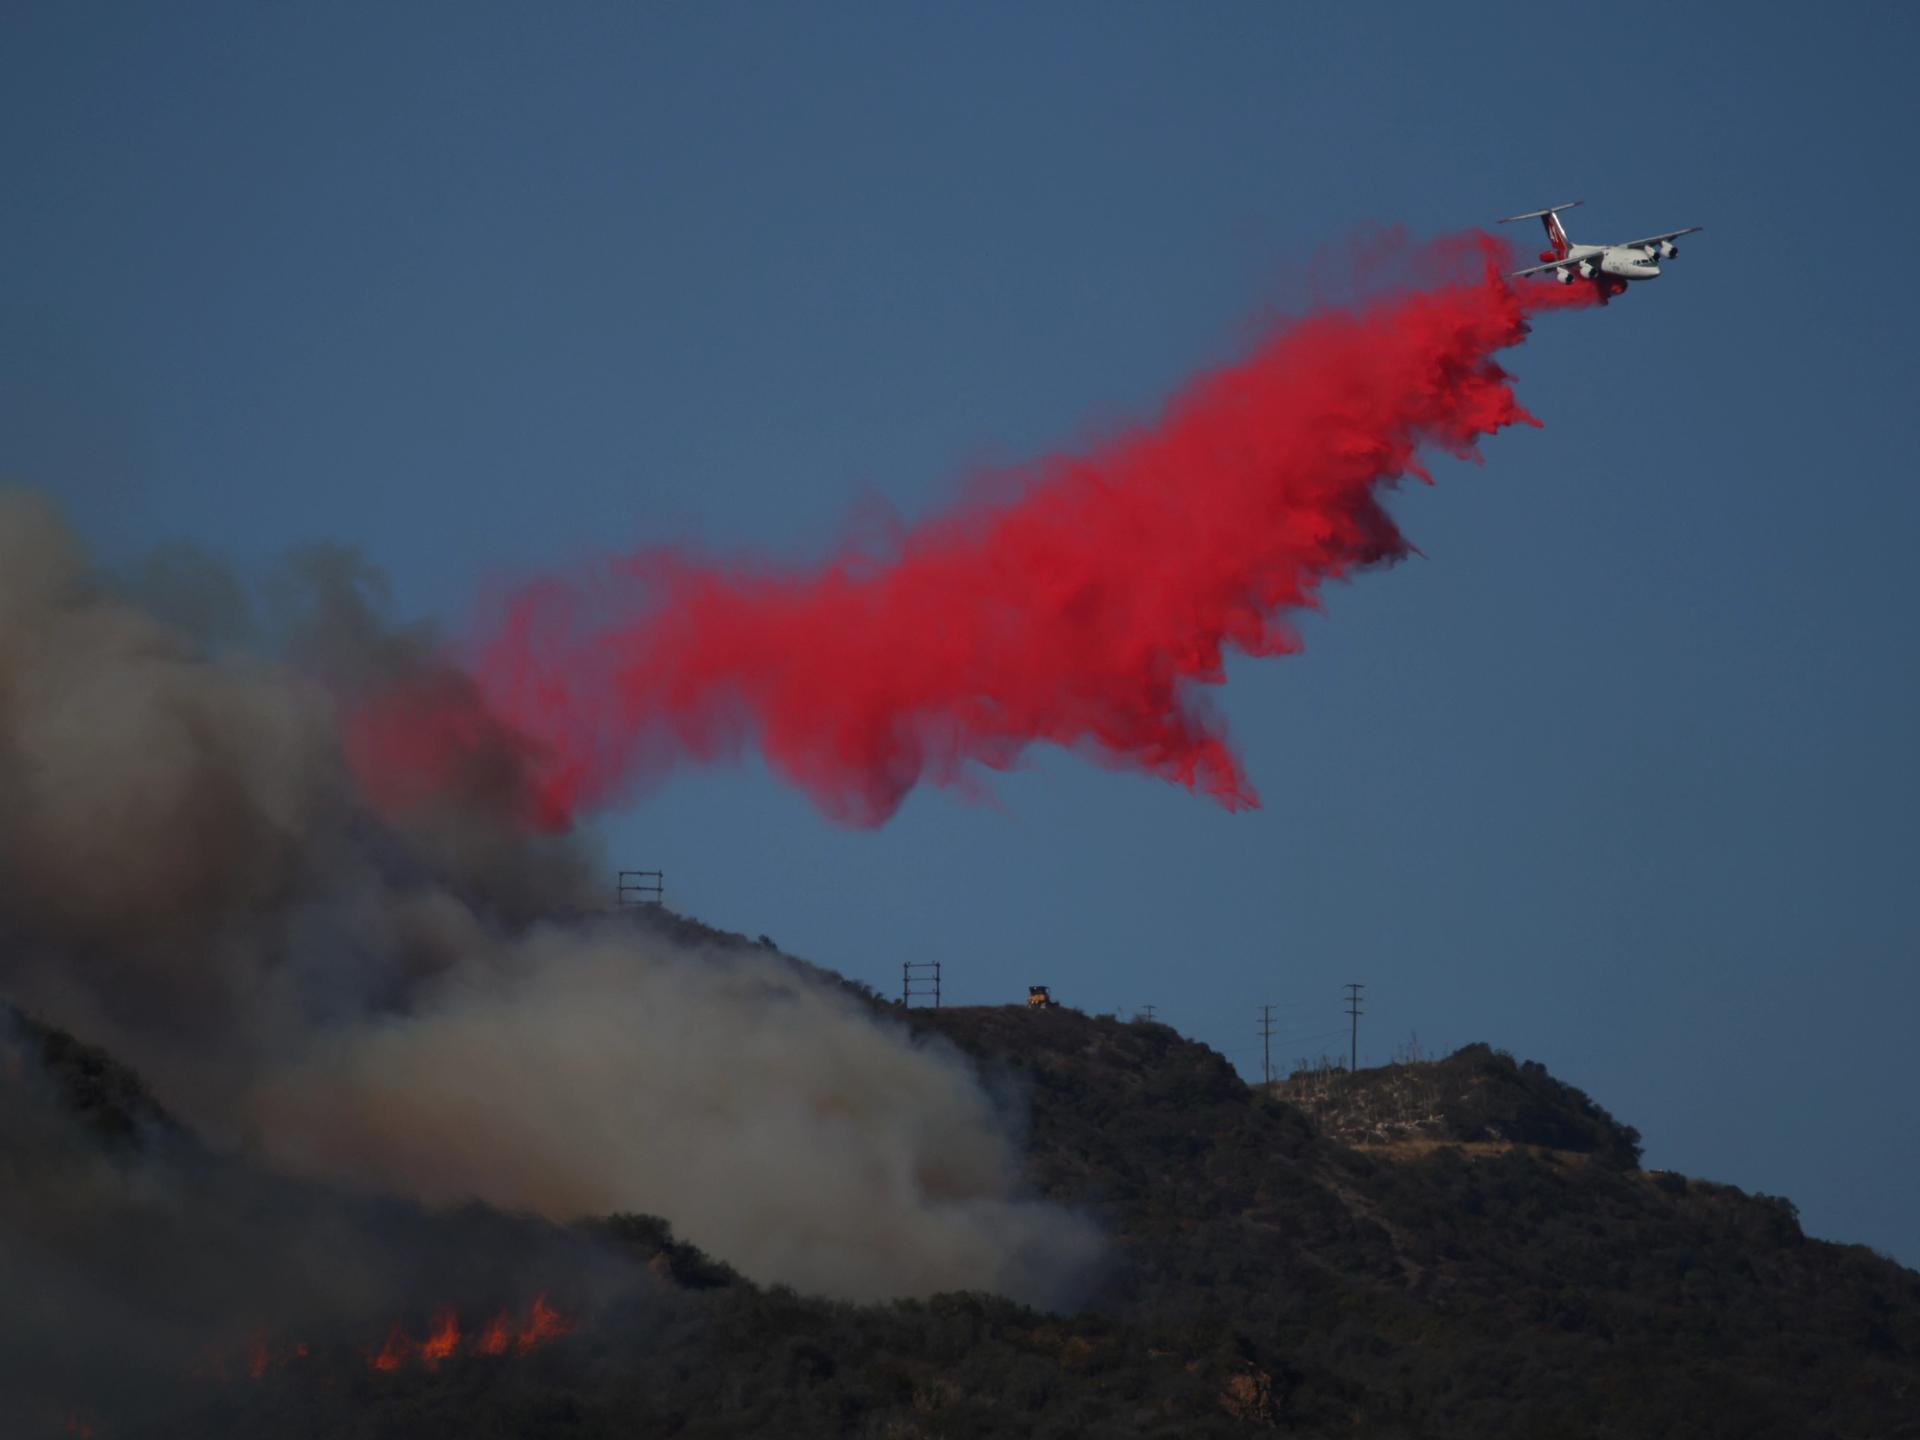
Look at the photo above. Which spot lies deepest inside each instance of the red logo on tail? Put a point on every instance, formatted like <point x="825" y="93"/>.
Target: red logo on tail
<point x="1556" y="235"/>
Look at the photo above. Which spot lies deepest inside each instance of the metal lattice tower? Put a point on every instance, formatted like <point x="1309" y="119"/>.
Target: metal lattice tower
<point x="920" y="978"/>
<point x="640" y="887"/>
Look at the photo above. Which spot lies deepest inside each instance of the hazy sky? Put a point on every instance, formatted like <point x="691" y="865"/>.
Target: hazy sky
<point x="1619" y="776"/>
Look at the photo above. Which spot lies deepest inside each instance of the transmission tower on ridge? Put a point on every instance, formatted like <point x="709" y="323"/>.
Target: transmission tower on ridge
<point x="639" y="887"/>
<point x="920" y="978"/>
<point x="1354" y="1002"/>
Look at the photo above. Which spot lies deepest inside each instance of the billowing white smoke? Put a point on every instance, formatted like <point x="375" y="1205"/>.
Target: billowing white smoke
<point x="768" y="1115"/>
<point x="188" y="877"/>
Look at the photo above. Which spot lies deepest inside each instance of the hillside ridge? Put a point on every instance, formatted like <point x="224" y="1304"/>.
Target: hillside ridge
<point x="1459" y="1247"/>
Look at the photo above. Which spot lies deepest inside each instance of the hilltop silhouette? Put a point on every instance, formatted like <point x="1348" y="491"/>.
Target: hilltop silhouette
<point x="1457" y="1247"/>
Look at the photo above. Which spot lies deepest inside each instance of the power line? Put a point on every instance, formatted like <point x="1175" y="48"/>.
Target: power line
<point x="1307" y="1039"/>
<point x="1282" y="1037"/>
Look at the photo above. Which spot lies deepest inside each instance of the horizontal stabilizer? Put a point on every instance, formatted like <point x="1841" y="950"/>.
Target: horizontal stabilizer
<point x="1550" y="210"/>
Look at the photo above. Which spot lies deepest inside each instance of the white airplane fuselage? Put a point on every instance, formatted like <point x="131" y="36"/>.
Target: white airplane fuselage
<point x="1621" y="261"/>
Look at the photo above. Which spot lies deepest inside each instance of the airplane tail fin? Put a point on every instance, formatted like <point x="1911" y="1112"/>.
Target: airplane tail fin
<point x="1556" y="232"/>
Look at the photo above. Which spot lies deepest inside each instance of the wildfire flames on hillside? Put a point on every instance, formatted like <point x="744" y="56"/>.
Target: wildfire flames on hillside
<point x="500" y="1337"/>
<point x="504" y="1334"/>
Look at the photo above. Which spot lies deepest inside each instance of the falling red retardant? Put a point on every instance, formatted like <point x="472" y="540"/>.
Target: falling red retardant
<point x="1088" y="610"/>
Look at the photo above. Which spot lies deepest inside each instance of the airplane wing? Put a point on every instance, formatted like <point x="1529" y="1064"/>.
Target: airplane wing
<point x="1656" y="239"/>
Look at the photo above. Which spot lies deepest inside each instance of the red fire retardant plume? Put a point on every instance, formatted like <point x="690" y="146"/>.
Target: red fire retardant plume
<point x="1087" y="610"/>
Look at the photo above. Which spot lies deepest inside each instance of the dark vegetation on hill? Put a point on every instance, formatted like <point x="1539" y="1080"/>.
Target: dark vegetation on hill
<point x="106" y="1099"/>
<point x="1458" y="1249"/>
<point x="1477" y="1095"/>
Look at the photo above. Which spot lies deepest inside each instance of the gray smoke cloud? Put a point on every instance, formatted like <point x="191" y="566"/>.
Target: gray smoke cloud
<point x="431" y="1002"/>
<point x="767" y="1115"/>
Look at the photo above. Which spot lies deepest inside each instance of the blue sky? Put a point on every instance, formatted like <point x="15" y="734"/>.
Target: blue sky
<point x="1619" y="776"/>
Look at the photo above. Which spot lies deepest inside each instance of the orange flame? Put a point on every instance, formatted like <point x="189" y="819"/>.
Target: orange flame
<point x="543" y="1324"/>
<point x="260" y="1357"/>
<point x="444" y="1339"/>
<point x="395" y="1353"/>
<point x="497" y="1338"/>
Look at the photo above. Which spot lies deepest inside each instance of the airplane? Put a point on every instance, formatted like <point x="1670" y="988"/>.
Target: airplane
<point x="1631" y="261"/>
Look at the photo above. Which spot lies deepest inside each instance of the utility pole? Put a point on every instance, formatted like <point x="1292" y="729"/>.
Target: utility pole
<point x="1266" y="1042"/>
<point x="1354" y="1001"/>
<point x="1147" y="1010"/>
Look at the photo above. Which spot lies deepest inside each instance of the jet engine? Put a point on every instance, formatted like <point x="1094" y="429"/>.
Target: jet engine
<point x="1668" y="249"/>
<point x="1586" y="269"/>
<point x="1565" y="277"/>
